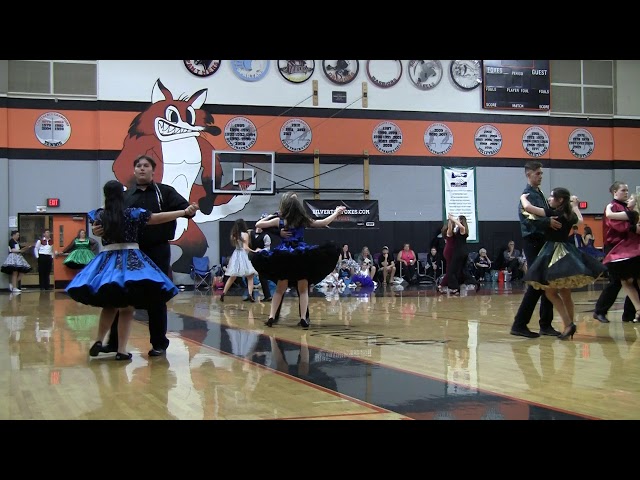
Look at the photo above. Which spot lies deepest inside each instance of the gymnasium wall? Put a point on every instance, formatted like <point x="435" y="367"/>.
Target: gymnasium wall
<point x="407" y="183"/>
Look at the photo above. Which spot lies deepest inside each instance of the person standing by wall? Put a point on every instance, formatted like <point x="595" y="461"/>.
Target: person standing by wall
<point x="79" y="252"/>
<point x="154" y="242"/>
<point x="43" y="251"/>
<point x="533" y="230"/>
<point x="614" y="231"/>
<point x="15" y="264"/>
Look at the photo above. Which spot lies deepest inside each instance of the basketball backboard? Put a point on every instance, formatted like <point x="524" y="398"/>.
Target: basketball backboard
<point x="245" y="172"/>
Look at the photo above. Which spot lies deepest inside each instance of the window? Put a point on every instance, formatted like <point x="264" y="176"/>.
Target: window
<point x="582" y="87"/>
<point x="69" y="79"/>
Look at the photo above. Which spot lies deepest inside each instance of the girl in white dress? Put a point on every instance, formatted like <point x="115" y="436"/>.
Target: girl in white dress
<point x="239" y="264"/>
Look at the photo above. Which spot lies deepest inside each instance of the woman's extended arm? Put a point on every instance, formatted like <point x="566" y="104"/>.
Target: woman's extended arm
<point x="164" y="217"/>
<point x="530" y="208"/>
<point x="326" y="221"/>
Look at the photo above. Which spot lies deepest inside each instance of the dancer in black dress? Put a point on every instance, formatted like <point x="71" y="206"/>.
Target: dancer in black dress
<point x="561" y="266"/>
<point x="294" y="259"/>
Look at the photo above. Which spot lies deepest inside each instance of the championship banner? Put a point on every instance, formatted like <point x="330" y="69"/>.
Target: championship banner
<point x="459" y="190"/>
<point x="359" y="213"/>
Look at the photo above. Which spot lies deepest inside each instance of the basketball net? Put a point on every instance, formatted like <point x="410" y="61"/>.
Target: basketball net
<point x="246" y="186"/>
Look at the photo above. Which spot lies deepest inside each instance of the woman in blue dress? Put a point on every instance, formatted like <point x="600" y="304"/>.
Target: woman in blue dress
<point x="293" y="259"/>
<point x="121" y="277"/>
<point x="560" y="265"/>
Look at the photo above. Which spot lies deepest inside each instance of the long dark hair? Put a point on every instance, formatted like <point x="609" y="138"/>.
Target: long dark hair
<point x="113" y="214"/>
<point x="293" y="212"/>
<point x="239" y="226"/>
<point x="561" y="193"/>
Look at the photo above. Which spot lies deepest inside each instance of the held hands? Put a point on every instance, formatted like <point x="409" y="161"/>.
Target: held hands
<point x="340" y="209"/>
<point x="574" y="200"/>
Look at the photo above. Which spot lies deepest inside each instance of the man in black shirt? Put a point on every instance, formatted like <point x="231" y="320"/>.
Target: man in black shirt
<point x="154" y="241"/>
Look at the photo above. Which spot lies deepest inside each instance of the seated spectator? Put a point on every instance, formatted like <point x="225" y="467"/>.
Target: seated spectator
<point x="576" y="238"/>
<point x="345" y="254"/>
<point x="514" y="262"/>
<point x="345" y="272"/>
<point x="435" y="263"/>
<point x="588" y="240"/>
<point x="482" y="264"/>
<point x="386" y="265"/>
<point x="365" y="254"/>
<point x="362" y="277"/>
<point x="407" y="261"/>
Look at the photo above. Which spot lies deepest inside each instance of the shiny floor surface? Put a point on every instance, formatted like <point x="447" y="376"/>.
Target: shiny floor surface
<point x="391" y="354"/>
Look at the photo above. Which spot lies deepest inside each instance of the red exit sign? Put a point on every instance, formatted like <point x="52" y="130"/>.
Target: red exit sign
<point x="53" y="202"/>
<point x="582" y="205"/>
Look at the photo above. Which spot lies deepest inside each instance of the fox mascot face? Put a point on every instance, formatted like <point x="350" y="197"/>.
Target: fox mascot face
<point x="177" y="134"/>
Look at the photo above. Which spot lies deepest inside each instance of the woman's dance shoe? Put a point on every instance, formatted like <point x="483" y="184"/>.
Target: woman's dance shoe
<point x="568" y="332"/>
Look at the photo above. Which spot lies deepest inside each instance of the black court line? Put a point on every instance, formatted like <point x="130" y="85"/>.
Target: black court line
<point x="406" y="393"/>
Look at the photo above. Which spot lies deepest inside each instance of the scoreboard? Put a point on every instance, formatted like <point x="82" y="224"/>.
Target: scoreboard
<point x="516" y="84"/>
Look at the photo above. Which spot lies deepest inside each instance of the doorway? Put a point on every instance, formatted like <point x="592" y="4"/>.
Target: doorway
<point x="64" y="228"/>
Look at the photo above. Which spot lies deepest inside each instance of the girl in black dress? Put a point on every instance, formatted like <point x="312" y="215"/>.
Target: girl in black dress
<point x="560" y="265"/>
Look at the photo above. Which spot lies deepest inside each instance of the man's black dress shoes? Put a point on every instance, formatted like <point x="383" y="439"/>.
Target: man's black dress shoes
<point x="600" y="317"/>
<point x="524" y="332"/>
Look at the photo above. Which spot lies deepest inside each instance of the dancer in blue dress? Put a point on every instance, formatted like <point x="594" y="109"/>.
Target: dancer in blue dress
<point x="294" y="259"/>
<point x="121" y="277"/>
<point x="560" y="265"/>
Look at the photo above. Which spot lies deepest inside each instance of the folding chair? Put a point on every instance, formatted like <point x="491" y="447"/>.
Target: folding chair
<point x="422" y="268"/>
<point x="201" y="272"/>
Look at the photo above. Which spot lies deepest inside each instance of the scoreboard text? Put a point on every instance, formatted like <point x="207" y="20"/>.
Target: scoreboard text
<point x="516" y="84"/>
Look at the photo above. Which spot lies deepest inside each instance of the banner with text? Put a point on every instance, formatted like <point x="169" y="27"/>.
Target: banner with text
<point x="459" y="191"/>
<point x="359" y="213"/>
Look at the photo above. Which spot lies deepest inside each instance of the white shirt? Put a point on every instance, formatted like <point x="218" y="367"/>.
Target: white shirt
<point x="43" y="248"/>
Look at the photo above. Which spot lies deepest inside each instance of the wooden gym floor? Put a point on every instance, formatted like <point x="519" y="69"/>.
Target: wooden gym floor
<point x="387" y="355"/>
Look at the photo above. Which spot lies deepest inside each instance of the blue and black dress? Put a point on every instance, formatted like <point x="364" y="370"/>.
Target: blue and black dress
<point x="294" y="259"/>
<point x="122" y="275"/>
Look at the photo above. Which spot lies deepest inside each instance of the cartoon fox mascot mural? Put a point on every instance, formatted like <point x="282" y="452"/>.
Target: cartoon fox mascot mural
<point x="176" y="133"/>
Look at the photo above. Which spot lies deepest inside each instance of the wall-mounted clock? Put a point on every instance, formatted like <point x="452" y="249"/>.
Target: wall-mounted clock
<point x="466" y="74"/>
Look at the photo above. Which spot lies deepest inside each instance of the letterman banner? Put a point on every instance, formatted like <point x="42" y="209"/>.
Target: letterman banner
<point x="359" y="213"/>
<point x="459" y="189"/>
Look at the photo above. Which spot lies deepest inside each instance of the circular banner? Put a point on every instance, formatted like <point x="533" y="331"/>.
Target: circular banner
<point x="52" y="129"/>
<point x="535" y="141"/>
<point x="295" y="135"/>
<point x="341" y="72"/>
<point x="438" y="138"/>
<point x="250" y="70"/>
<point x="296" y="71"/>
<point x="581" y="143"/>
<point x="202" y="68"/>
<point x="240" y="133"/>
<point x="387" y="137"/>
<point x="488" y="140"/>
<point x="425" y="74"/>
<point x="384" y="73"/>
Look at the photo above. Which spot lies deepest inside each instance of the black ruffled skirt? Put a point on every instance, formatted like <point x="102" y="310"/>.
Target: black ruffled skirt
<point x="562" y="265"/>
<point x="302" y="262"/>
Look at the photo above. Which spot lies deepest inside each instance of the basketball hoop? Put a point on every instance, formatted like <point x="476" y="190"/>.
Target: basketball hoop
<point x="246" y="186"/>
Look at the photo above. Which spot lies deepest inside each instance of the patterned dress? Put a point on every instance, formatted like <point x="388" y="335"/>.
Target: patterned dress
<point x="239" y="264"/>
<point x="81" y="254"/>
<point x="122" y="275"/>
<point x="294" y="259"/>
<point x="15" y="262"/>
<point x="560" y="264"/>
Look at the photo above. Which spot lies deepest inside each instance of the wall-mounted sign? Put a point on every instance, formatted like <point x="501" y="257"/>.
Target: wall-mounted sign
<point x="53" y="202"/>
<point x="296" y="71"/>
<point x="425" y="74"/>
<point x="341" y="72"/>
<point x="202" y="68"/>
<point x="250" y="70"/>
<point x="535" y="141"/>
<point x="339" y="97"/>
<point x="488" y="140"/>
<point x="516" y="84"/>
<point x="581" y="143"/>
<point x="438" y="138"/>
<point x="52" y="129"/>
<point x="384" y="73"/>
<point x="296" y="135"/>
<point x="240" y="133"/>
<point x="387" y="137"/>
